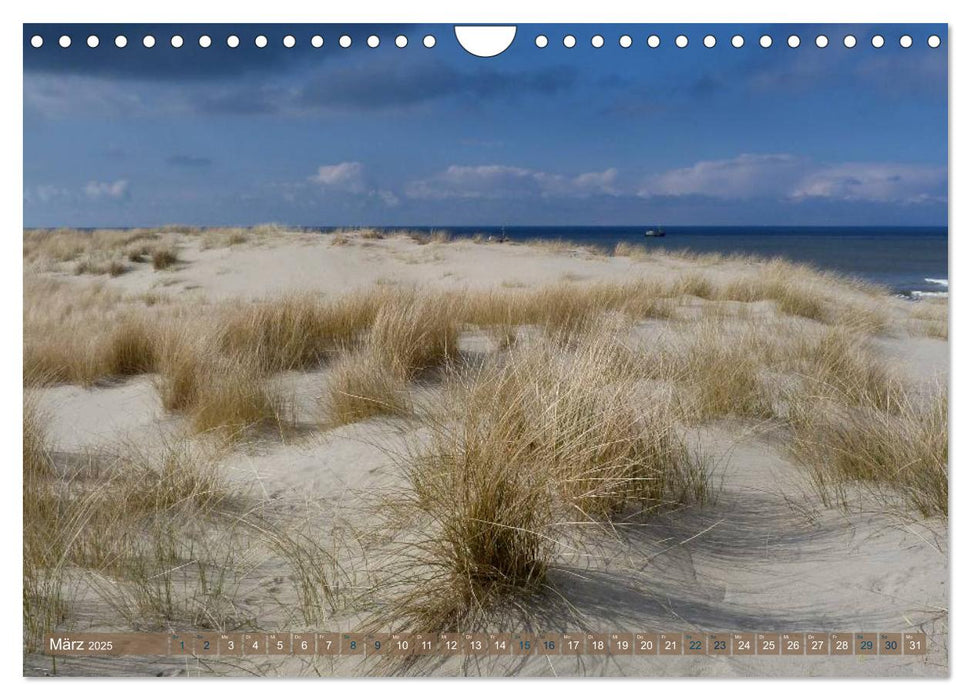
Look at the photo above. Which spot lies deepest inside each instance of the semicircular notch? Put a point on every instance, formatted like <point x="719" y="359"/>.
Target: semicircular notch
<point x="485" y="42"/>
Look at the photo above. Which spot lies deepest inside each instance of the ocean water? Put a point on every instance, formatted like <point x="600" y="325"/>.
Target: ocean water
<point x="910" y="261"/>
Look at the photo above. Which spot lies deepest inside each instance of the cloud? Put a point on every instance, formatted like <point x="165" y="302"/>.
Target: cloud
<point x="185" y="161"/>
<point x="107" y="190"/>
<point x="344" y="177"/>
<point x="350" y="178"/>
<point x="505" y="181"/>
<point x="779" y="177"/>
<point x="788" y="177"/>
<point x="43" y="194"/>
<point x="746" y="175"/>
<point x="875" y="182"/>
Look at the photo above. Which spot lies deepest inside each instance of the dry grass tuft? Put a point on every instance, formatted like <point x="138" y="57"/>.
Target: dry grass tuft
<point x="899" y="452"/>
<point x="233" y="398"/>
<point x="298" y="331"/>
<point x="415" y="333"/>
<point x="164" y="257"/>
<point x="841" y="364"/>
<point x="361" y="386"/>
<point x="930" y="317"/>
<point x="131" y="347"/>
<point x="720" y="370"/>
<point x="524" y="446"/>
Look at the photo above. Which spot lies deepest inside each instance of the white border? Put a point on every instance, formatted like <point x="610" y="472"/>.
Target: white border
<point x="495" y="11"/>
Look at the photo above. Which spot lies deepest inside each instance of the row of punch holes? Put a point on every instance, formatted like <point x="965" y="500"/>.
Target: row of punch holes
<point x="541" y="41"/>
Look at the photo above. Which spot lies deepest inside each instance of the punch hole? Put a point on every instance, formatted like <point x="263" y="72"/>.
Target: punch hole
<point x="344" y="41"/>
<point x="232" y="41"/>
<point x="625" y="42"/>
<point x="709" y="41"/>
<point x="822" y="41"/>
<point x="373" y="41"/>
<point x="765" y="41"/>
<point x="654" y="41"/>
<point x="849" y="41"/>
<point x="261" y="42"/>
<point x="64" y="41"/>
<point x="569" y="41"/>
<point x="428" y="41"/>
<point x="148" y="41"/>
<point x="906" y="42"/>
<point x="597" y="41"/>
<point x="484" y="42"/>
<point x="934" y="41"/>
<point x="738" y="41"/>
<point x="36" y="41"/>
<point x="205" y="41"/>
<point x="401" y="41"/>
<point x="793" y="42"/>
<point x="289" y="42"/>
<point x="93" y="42"/>
<point x="877" y="41"/>
<point x="121" y="41"/>
<point x="542" y="42"/>
<point x="681" y="41"/>
<point x="316" y="41"/>
<point x="176" y="42"/>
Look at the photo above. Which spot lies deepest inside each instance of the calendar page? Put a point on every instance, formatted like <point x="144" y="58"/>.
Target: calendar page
<point x="366" y="350"/>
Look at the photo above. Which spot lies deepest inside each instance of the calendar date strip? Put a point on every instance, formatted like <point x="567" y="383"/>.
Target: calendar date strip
<point x="515" y="644"/>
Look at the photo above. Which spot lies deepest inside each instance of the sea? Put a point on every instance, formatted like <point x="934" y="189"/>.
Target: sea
<point x="910" y="261"/>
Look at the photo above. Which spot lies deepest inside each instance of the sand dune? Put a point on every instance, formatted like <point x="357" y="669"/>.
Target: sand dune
<point x="722" y="362"/>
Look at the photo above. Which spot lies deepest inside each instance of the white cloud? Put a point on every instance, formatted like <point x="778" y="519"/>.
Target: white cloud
<point x="746" y="175"/>
<point x="506" y="181"/>
<point x="343" y="177"/>
<point x="875" y="182"/>
<point x="43" y="194"/>
<point x="350" y="178"/>
<point x="106" y="190"/>
<point x="787" y="177"/>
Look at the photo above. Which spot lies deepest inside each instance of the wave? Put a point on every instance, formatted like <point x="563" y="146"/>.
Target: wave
<point x="931" y="280"/>
<point x="917" y="294"/>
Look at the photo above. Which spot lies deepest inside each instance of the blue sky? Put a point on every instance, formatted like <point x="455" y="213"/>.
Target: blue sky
<point x="417" y="136"/>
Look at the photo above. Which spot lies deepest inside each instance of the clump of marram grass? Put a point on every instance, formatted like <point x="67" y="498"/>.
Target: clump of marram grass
<point x="44" y="606"/>
<point x="930" y="317"/>
<point x="182" y="370"/>
<point x="298" y="331"/>
<point x="134" y="525"/>
<point x="490" y="532"/>
<point x="234" y="398"/>
<point x="841" y="363"/>
<point x="632" y="251"/>
<point x="228" y="395"/>
<point x="111" y="267"/>
<point x="902" y="452"/>
<point x="180" y="476"/>
<point x="722" y="375"/>
<point x="565" y="311"/>
<point x="717" y="368"/>
<point x="525" y="445"/>
<point x="695" y="285"/>
<point x="164" y="257"/>
<point x="361" y="386"/>
<point x="131" y="347"/>
<point x="416" y="332"/>
<point x="125" y="347"/>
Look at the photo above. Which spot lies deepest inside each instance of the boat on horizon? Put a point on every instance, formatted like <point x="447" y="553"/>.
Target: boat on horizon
<point x="655" y="232"/>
